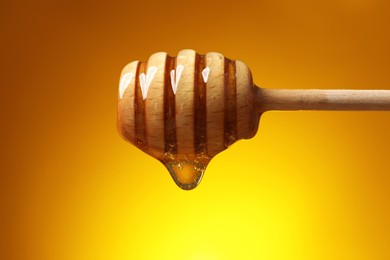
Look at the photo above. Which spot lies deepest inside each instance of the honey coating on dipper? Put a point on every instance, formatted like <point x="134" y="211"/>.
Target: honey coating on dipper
<point x="185" y="110"/>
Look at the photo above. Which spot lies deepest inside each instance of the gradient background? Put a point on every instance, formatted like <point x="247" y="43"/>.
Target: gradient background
<point x="310" y="185"/>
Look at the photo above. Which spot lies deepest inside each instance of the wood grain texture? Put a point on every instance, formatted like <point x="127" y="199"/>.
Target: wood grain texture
<point x="185" y="103"/>
<point x="154" y="104"/>
<point x="316" y="99"/>
<point x="141" y="138"/>
<point x="247" y="117"/>
<point x="125" y="122"/>
<point x="215" y="103"/>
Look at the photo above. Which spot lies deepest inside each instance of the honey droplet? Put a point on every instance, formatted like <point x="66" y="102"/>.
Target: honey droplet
<point x="186" y="173"/>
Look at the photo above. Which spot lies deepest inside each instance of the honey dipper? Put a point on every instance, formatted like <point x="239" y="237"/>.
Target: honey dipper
<point x="185" y="110"/>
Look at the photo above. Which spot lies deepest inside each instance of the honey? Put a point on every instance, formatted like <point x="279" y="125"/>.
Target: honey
<point x="187" y="174"/>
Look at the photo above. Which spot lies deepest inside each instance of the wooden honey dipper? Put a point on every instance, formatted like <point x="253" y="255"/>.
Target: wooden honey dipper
<point x="185" y="110"/>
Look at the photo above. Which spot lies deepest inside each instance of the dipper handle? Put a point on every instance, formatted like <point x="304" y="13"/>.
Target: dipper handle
<point x="318" y="99"/>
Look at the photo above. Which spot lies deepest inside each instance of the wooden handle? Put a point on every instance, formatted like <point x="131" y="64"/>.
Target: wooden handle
<point x="316" y="99"/>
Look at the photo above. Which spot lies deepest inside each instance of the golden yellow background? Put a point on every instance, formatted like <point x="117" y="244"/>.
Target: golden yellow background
<point x="310" y="185"/>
